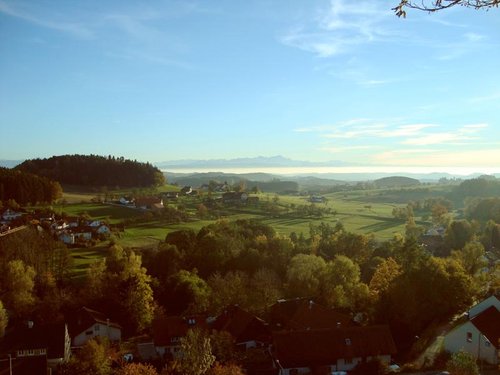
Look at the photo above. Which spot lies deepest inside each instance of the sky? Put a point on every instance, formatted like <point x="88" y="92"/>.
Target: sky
<point x="313" y="80"/>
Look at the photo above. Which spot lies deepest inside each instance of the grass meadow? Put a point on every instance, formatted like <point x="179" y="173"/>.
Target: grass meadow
<point x="360" y="211"/>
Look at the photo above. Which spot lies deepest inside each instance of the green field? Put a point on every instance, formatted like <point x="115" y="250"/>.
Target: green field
<point x="360" y="211"/>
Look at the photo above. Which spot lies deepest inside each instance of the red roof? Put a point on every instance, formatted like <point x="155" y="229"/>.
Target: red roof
<point x="86" y="318"/>
<point x="488" y="323"/>
<point x="168" y="330"/>
<point x="242" y="325"/>
<point x="325" y="347"/>
<point x="147" y="201"/>
<point x="302" y="314"/>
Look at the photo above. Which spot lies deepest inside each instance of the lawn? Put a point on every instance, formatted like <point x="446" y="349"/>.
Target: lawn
<point x="113" y="213"/>
<point x="83" y="257"/>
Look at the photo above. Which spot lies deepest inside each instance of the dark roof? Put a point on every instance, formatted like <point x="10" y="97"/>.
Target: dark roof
<point x="25" y="366"/>
<point x="488" y="323"/>
<point x="167" y="330"/>
<point x="325" y="347"/>
<point x="303" y="313"/>
<point x="242" y="325"/>
<point x="50" y="337"/>
<point x="86" y="318"/>
<point x="147" y="201"/>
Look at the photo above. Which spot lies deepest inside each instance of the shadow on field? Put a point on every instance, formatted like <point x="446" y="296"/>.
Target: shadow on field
<point x="384" y="225"/>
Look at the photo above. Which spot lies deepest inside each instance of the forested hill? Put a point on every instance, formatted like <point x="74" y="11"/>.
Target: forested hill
<point x="27" y="188"/>
<point x="94" y="170"/>
<point x="395" y="181"/>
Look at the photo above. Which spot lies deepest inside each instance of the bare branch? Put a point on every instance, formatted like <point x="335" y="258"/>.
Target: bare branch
<point x="436" y="5"/>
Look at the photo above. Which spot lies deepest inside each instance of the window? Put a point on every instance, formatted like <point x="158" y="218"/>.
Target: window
<point x="469" y="336"/>
<point x="348" y="361"/>
<point x="97" y="327"/>
<point x="487" y="344"/>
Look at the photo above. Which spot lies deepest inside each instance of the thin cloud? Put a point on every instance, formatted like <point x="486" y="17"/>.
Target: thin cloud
<point x="73" y="28"/>
<point x="347" y="148"/>
<point x="461" y="136"/>
<point x="380" y="130"/>
<point x="443" y="158"/>
<point x="342" y="26"/>
<point x="495" y="96"/>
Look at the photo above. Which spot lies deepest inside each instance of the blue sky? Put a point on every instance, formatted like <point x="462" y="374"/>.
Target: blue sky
<point x="310" y="80"/>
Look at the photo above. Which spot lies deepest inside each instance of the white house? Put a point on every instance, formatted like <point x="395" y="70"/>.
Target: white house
<point x="480" y="334"/>
<point x="90" y="323"/>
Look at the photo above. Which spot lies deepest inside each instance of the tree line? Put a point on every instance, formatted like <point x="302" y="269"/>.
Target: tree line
<point x="27" y="188"/>
<point x="95" y="171"/>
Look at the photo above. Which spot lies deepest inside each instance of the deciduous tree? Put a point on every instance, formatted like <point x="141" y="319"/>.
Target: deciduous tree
<point x="304" y="275"/>
<point x="4" y="320"/>
<point x="462" y="363"/>
<point x="196" y="351"/>
<point x="19" y="284"/>
<point x="136" y="369"/>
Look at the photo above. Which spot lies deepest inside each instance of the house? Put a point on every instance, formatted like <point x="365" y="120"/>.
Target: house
<point x="88" y="324"/>
<point x="328" y="350"/>
<point x="94" y="223"/>
<point x="149" y="203"/>
<point x="247" y="330"/>
<point x="82" y="234"/>
<point x="9" y="215"/>
<point x="168" y="331"/>
<point x="234" y="197"/>
<point x="103" y="229"/>
<point x="126" y="201"/>
<point x="303" y="314"/>
<point x="317" y="199"/>
<point x="36" y="349"/>
<point x="66" y="237"/>
<point x="171" y="195"/>
<point x="186" y="190"/>
<point x="483" y="305"/>
<point x="479" y="334"/>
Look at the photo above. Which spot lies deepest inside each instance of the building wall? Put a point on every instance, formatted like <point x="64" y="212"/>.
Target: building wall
<point x="475" y="343"/>
<point x="98" y="330"/>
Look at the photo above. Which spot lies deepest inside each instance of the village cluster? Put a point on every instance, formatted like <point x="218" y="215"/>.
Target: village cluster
<point x="300" y="336"/>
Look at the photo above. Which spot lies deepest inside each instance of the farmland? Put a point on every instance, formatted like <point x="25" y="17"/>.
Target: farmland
<point x="359" y="211"/>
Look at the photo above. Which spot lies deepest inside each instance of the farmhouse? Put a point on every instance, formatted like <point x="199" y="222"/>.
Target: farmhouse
<point x="149" y="203"/>
<point x="480" y="334"/>
<point x="247" y="330"/>
<point x="303" y="314"/>
<point x="328" y="350"/>
<point x="317" y="199"/>
<point x="36" y="349"/>
<point x="168" y="331"/>
<point x="234" y="197"/>
<point x="88" y="324"/>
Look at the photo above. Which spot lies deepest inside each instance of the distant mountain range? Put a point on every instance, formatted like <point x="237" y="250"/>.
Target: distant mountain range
<point x="10" y="163"/>
<point x="256" y="162"/>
